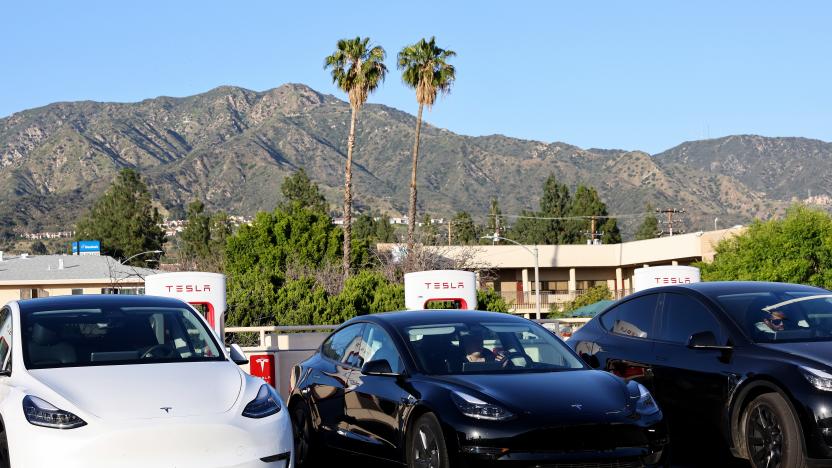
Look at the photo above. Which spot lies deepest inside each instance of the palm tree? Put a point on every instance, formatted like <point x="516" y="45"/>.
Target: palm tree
<point x="357" y="69"/>
<point x="424" y="68"/>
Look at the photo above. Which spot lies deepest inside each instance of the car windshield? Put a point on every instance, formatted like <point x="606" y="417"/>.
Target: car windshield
<point x="488" y="348"/>
<point x="770" y="317"/>
<point x="115" y="335"/>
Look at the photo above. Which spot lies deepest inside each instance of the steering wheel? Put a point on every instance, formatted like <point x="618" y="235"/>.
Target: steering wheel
<point x="508" y="357"/>
<point x="151" y="351"/>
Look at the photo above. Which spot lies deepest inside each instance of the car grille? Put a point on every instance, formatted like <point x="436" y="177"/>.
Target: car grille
<point x="582" y="438"/>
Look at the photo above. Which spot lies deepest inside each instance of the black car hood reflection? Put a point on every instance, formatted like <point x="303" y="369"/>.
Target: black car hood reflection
<point x="817" y="351"/>
<point x="555" y="395"/>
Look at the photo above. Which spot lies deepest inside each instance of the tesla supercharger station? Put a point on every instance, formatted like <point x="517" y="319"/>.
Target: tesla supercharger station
<point x="422" y="287"/>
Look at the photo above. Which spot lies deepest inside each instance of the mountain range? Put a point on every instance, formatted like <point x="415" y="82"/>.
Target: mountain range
<point x="232" y="147"/>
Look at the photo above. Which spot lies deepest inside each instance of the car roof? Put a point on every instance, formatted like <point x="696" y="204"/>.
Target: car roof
<point x="95" y="300"/>
<point x="713" y="289"/>
<point x="409" y="318"/>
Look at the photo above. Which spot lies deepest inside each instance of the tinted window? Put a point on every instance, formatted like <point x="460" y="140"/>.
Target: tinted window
<point x="341" y="346"/>
<point x="632" y="318"/>
<point x="376" y="344"/>
<point x="115" y="335"/>
<point x="472" y="347"/>
<point x="5" y="338"/>
<point x="683" y="316"/>
<point x="781" y="316"/>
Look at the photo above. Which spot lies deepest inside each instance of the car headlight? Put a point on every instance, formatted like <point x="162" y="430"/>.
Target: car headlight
<point x="41" y="413"/>
<point x="475" y="408"/>
<point x="818" y="378"/>
<point x="266" y="403"/>
<point x="645" y="404"/>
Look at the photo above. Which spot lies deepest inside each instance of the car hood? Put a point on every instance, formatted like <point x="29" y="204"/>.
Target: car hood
<point x="566" y="395"/>
<point x="143" y="391"/>
<point x="817" y="351"/>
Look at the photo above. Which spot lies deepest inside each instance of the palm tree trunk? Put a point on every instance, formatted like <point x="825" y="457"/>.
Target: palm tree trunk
<point x="411" y="213"/>
<point x="348" y="197"/>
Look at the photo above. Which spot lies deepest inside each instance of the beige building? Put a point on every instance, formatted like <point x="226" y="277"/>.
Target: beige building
<point x="31" y="276"/>
<point x="568" y="270"/>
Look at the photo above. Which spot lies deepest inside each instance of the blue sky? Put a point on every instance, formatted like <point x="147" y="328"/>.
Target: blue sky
<point x="635" y="75"/>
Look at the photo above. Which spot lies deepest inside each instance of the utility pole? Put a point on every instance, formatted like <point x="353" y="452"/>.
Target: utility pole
<point x="592" y="235"/>
<point x="669" y="212"/>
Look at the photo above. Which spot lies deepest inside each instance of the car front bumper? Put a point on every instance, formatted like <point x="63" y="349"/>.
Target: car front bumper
<point x="158" y="443"/>
<point x="614" y="445"/>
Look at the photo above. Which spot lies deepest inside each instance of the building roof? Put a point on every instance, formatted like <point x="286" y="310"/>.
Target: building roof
<point x="694" y="246"/>
<point x="46" y="269"/>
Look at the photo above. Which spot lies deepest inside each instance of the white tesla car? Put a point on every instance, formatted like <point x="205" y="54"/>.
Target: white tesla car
<point x="129" y="381"/>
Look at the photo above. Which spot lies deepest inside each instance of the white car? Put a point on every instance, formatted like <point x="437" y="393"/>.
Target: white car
<point x="130" y="381"/>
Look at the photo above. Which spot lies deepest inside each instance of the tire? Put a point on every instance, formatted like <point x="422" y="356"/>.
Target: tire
<point x="305" y="439"/>
<point x="5" y="461"/>
<point x="426" y="446"/>
<point x="772" y="433"/>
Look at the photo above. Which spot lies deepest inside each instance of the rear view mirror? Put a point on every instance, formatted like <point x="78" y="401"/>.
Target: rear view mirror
<point x="705" y="340"/>
<point x="378" y="367"/>
<point x="237" y="354"/>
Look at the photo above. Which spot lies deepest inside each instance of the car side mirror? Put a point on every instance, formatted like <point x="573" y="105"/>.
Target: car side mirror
<point x="705" y="340"/>
<point x="378" y="367"/>
<point x="237" y="354"/>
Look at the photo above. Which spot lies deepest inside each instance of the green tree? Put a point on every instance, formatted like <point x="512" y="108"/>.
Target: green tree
<point x="795" y="249"/>
<point x="301" y="302"/>
<point x="424" y="68"/>
<point x="299" y="190"/>
<point x="124" y="219"/>
<point x="590" y="296"/>
<point x="357" y="69"/>
<point x="488" y="299"/>
<point x="649" y="227"/>
<point x="257" y="256"/>
<point x="39" y="248"/>
<point x="373" y="228"/>
<point x="555" y="202"/>
<point x="464" y="231"/>
<point x="367" y="292"/>
<point x="586" y="203"/>
<point x="202" y="242"/>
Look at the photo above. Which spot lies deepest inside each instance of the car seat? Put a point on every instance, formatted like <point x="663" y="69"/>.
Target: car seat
<point x="46" y="348"/>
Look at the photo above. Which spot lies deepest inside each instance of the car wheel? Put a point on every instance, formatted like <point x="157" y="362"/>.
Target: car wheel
<point x="303" y="435"/>
<point x="772" y="433"/>
<point x="426" y="445"/>
<point x="5" y="461"/>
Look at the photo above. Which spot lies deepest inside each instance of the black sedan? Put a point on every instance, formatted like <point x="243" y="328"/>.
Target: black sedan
<point x="466" y="388"/>
<point x="749" y="362"/>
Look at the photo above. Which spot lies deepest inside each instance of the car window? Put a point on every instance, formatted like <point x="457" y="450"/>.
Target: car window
<point x="682" y="316"/>
<point x="114" y="335"/>
<point x="5" y="338"/>
<point x="632" y="318"/>
<point x="342" y="346"/>
<point x="475" y="347"/>
<point x="376" y="344"/>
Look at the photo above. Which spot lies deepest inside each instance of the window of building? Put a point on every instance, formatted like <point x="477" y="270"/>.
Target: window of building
<point x="77" y="291"/>
<point x="557" y="287"/>
<point x="33" y="293"/>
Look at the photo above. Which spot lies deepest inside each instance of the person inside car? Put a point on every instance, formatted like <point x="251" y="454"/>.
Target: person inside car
<point x="472" y="344"/>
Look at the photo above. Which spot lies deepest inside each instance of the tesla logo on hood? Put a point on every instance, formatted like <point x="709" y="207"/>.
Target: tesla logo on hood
<point x="578" y="406"/>
<point x="166" y="409"/>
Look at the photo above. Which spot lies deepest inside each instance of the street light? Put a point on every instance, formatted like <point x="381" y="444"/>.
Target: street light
<point x="142" y="253"/>
<point x="532" y="251"/>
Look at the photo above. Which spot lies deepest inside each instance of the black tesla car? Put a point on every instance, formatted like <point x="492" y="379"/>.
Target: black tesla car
<point x="466" y="388"/>
<point x="750" y="362"/>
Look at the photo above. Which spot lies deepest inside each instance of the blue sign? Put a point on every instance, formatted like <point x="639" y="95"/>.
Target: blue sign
<point x="86" y="247"/>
